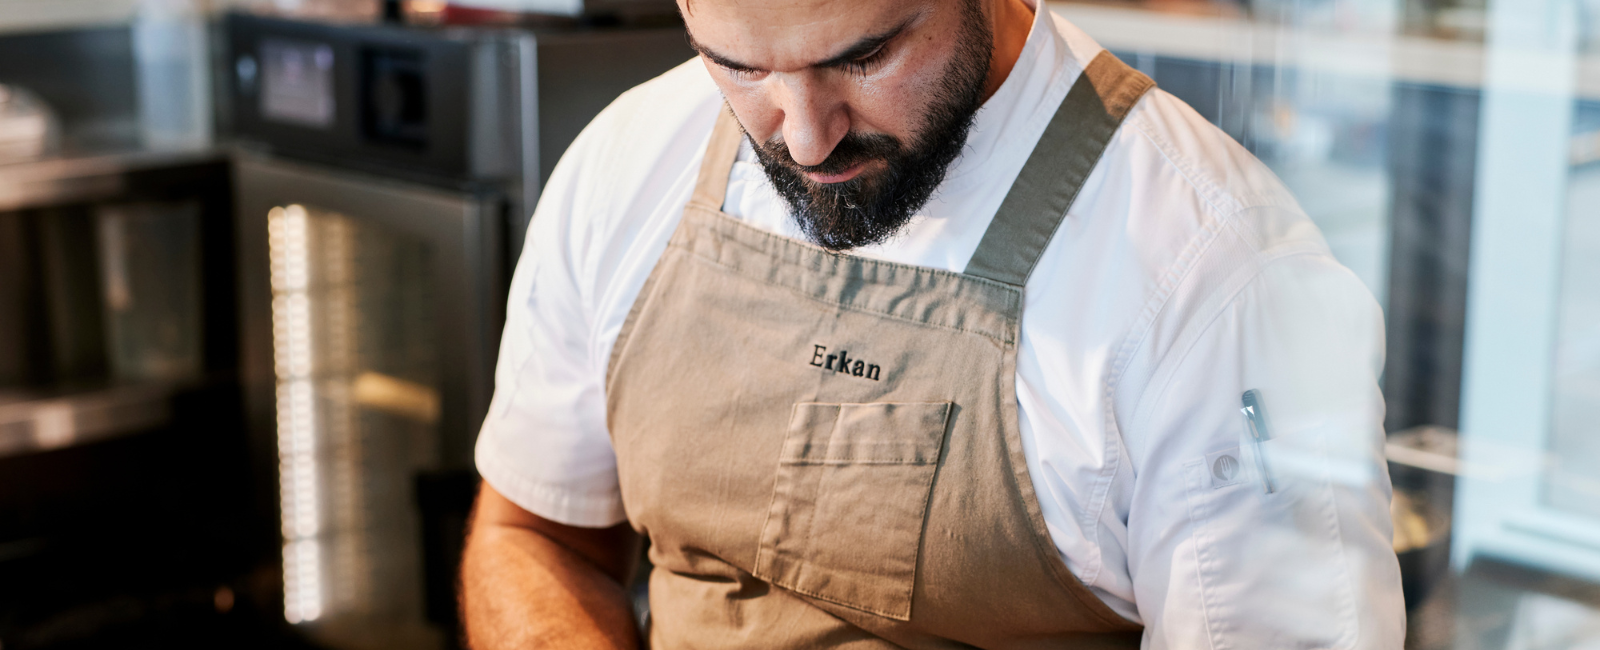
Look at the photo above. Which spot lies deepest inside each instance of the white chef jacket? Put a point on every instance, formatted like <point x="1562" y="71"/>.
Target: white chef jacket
<point x="1183" y="275"/>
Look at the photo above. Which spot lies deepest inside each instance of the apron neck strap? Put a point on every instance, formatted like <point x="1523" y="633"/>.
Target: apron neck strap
<point x="1060" y="163"/>
<point x="1049" y="182"/>
<point x="721" y="151"/>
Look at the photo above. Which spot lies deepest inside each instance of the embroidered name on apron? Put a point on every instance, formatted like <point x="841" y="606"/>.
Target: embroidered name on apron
<point x="841" y="363"/>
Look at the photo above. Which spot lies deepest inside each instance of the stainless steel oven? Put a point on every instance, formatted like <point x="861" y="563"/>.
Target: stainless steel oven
<point x="383" y="178"/>
<point x="371" y="318"/>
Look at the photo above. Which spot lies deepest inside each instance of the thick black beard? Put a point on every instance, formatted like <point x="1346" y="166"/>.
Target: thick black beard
<point x="873" y="206"/>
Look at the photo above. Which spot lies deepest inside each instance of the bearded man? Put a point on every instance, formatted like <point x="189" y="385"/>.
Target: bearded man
<point x="927" y="324"/>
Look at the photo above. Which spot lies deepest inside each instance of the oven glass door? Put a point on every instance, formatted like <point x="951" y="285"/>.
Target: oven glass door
<point x="371" y="319"/>
<point x="358" y="408"/>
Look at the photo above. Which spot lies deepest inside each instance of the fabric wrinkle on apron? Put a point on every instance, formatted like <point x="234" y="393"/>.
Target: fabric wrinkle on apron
<point x="823" y="449"/>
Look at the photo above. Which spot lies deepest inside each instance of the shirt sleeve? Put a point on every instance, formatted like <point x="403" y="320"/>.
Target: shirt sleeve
<point x="1284" y="544"/>
<point x="544" y="444"/>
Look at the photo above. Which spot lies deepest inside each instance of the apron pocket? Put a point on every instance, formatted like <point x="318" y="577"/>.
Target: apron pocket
<point x="849" y="503"/>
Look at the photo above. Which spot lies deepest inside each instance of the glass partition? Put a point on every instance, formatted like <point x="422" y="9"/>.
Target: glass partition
<point x="1450" y="152"/>
<point x="1572" y="485"/>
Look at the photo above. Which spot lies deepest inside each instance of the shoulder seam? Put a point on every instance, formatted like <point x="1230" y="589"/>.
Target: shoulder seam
<point x="1192" y="254"/>
<point x="1204" y="187"/>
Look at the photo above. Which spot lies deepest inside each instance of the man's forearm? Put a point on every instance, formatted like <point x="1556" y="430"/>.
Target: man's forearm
<point x="522" y="590"/>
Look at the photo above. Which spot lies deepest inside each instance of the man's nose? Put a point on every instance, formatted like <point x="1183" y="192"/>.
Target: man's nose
<point x="814" y="119"/>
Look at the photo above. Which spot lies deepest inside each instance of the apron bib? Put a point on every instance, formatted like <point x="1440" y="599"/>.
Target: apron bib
<point x="823" y="449"/>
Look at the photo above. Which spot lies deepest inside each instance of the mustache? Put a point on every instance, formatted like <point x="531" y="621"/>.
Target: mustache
<point x="853" y="149"/>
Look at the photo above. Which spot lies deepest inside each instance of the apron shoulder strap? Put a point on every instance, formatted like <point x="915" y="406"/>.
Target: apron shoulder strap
<point x="1060" y="163"/>
<point x="721" y="151"/>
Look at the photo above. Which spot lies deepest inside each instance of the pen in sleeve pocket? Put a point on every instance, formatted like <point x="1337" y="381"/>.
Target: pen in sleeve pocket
<point x="1255" y="418"/>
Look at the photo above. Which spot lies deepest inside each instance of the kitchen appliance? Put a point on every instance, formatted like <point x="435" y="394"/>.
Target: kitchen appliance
<point x="126" y="517"/>
<point x="122" y="455"/>
<point x="385" y="176"/>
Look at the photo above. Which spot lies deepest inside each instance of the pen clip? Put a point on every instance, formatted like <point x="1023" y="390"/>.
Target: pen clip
<point x="1256" y="421"/>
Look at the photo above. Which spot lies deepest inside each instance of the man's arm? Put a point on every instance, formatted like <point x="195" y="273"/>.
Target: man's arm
<point x="528" y="582"/>
<point x="1218" y="556"/>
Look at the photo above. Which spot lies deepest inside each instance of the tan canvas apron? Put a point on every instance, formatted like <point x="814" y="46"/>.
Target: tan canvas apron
<point x="823" y="449"/>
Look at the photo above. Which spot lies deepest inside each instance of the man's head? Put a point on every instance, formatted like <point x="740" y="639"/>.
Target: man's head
<point x="856" y="108"/>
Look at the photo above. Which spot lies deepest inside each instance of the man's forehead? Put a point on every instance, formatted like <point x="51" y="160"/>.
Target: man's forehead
<point x="786" y="34"/>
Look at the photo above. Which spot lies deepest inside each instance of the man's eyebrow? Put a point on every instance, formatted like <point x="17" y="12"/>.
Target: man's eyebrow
<point x="862" y="47"/>
<point x="716" y="58"/>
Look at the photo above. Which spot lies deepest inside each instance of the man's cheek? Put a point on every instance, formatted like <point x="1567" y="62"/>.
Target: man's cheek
<point x="896" y="109"/>
<point x="754" y="113"/>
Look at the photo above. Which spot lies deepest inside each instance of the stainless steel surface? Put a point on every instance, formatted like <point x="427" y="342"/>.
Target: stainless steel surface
<point x="86" y="179"/>
<point x="371" y="313"/>
<point x="33" y="422"/>
<point x="150" y="285"/>
<point x="460" y="228"/>
<point x="117" y="492"/>
<point x="502" y="105"/>
<point x="568" y="78"/>
<point x="72" y="305"/>
<point x="16" y="297"/>
<point x="396" y="100"/>
<point x="374" y="259"/>
<point x="50" y="290"/>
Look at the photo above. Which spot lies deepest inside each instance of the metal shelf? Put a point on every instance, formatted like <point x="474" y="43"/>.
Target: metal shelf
<point x="82" y="179"/>
<point x="34" y="422"/>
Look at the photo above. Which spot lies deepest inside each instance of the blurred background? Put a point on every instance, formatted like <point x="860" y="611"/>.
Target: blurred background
<point x="254" y="253"/>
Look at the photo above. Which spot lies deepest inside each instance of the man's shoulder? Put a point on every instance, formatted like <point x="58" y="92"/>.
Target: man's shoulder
<point x="1200" y="217"/>
<point x="1212" y="186"/>
<point x="1192" y="210"/>
<point x="1210" y="230"/>
<point x="1201" y="176"/>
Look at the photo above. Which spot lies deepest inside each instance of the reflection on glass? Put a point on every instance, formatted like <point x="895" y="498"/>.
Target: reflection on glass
<point x="1306" y="86"/>
<point x="358" y="409"/>
<point x="1573" y="484"/>
<point x="1324" y="134"/>
<point x="150" y="282"/>
<point x="1450" y="152"/>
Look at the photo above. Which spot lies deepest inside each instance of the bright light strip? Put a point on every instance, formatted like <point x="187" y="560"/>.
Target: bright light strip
<point x="302" y="588"/>
<point x="288" y="243"/>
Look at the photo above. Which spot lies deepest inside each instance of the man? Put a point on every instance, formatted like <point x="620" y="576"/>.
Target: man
<point x="927" y="323"/>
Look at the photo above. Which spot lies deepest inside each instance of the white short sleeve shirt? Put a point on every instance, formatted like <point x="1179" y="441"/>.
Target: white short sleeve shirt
<point x="1184" y="275"/>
